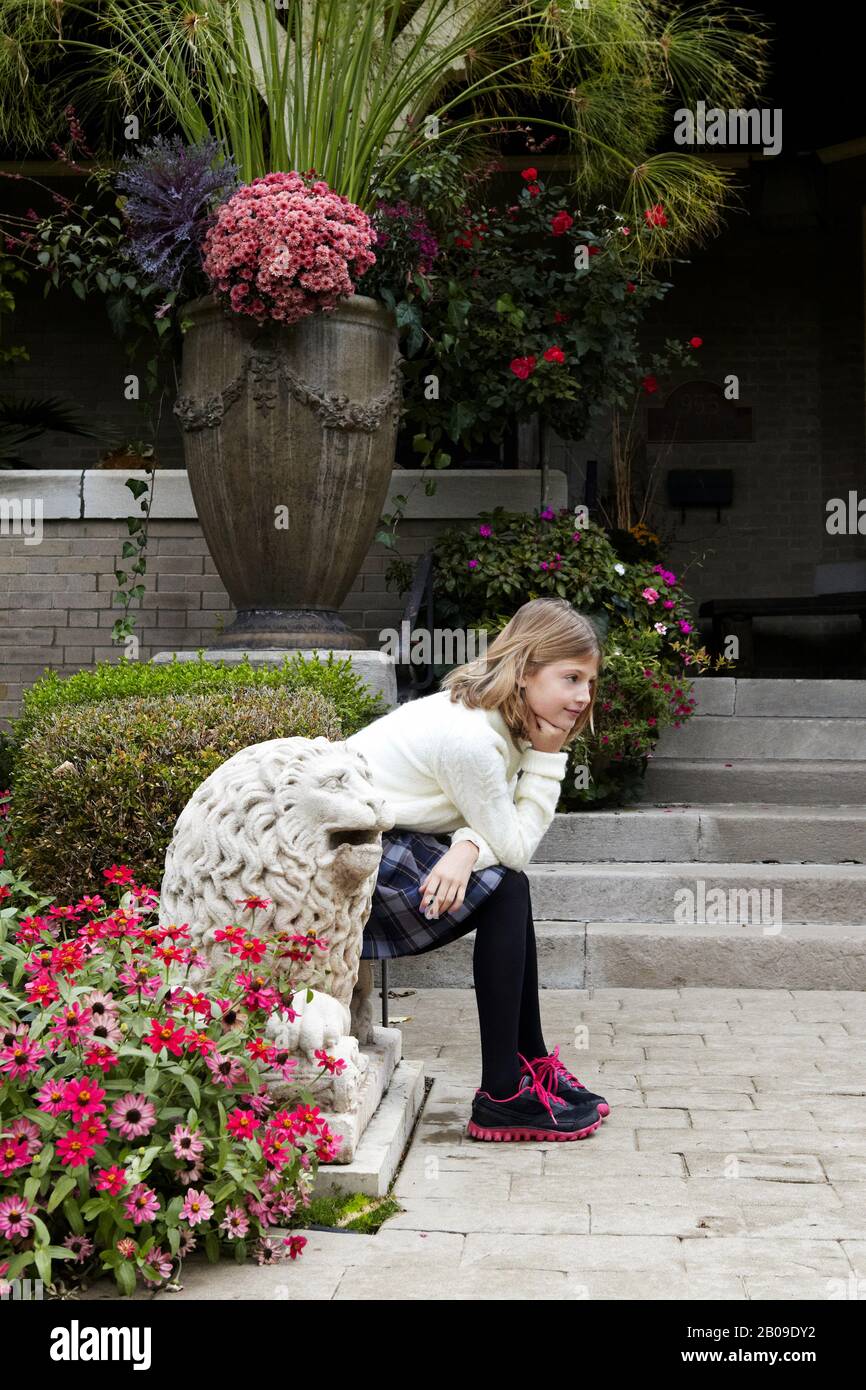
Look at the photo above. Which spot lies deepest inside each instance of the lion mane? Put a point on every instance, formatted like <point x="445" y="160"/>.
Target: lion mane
<point x="294" y="821"/>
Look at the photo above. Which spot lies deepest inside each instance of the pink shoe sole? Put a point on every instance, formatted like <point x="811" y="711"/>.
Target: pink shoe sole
<point x="519" y="1132"/>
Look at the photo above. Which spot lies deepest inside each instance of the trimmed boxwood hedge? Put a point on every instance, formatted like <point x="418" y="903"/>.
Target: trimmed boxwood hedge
<point x="101" y="772"/>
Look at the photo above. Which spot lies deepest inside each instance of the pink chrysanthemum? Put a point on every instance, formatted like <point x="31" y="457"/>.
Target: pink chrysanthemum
<point x="281" y="249"/>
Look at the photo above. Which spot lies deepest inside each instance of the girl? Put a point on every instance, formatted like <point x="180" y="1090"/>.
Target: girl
<point x="466" y="828"/>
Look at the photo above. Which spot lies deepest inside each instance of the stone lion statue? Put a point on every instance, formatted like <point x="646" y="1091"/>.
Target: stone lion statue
<point x="294" y="821"/>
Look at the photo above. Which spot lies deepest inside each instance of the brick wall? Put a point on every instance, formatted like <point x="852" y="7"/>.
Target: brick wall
<point x="55" y="596"/>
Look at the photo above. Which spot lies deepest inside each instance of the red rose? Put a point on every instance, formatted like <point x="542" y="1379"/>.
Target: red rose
<point x="655" y="216"/>
<point x="554" y="354"/>
<point x="559" y="316"/>
<point x="696" y="342"/>
<point x="530" y="175"/>
<point x="561" y="222"/>
<point x="595" y="250"/>
<point x="533" y="190"/>
<point x="629" y="287"/>
<point x="650" y="384"/>
<point x="523" y="366"/>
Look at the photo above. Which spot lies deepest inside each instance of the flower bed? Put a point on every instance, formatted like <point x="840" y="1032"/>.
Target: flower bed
<point x="136" y="1118"/>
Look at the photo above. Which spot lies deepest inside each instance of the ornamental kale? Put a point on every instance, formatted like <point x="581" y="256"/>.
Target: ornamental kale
<point x="172" y="190"/>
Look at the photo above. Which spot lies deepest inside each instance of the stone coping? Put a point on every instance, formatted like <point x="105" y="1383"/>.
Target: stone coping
<point x="101" y="493"/>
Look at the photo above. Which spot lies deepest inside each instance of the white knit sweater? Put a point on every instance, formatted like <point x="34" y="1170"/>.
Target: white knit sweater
<point x="444" y="767"/>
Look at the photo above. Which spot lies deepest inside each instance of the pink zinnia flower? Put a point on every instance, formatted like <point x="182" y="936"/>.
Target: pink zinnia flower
<point x="132" y="1116"/>
<point x="20" y="1058"/>
<point x="197" y="1207"/>
<point x="226" y="1071"/>
<point x="75" y="1149"/>
<point x="242" y="1124"/>
<point x="142" y="1204"/>
<point x="185" y="1143"/>
<point x="13" y="1154"/>
<point x="485" y="530"/>
<point x="83" y="1098"/>
<point x="15" y="1217"/>
<point x="81" y="1246"/>
<point x="235" y="1222"/>
<point x="160" y="1261"/>
<point x="112" y="1180"/>
<point x="650" y="595"/>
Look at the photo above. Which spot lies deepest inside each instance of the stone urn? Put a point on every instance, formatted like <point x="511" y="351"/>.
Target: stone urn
<point x="289" y="439"/>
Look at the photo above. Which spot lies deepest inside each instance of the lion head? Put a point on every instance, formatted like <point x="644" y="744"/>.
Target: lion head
<point x="292" y="820"/>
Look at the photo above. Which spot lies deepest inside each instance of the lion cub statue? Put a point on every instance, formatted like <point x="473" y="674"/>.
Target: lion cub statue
<point x="294" y="821"/>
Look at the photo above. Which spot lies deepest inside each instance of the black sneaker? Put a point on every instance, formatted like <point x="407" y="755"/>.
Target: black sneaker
<point x="531" y="1113"/>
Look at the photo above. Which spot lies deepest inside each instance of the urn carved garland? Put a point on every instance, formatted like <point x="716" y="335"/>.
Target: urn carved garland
<point x="289" y="439"/>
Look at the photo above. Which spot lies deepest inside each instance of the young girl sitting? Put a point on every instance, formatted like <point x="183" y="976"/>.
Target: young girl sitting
<point x="472" y="774"/>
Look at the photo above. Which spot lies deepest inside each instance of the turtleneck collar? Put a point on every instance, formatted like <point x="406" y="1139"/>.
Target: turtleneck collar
<point x="501" y="727"/>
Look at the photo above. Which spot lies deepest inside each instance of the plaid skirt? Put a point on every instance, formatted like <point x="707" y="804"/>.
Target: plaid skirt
<point x="397" y="925"/>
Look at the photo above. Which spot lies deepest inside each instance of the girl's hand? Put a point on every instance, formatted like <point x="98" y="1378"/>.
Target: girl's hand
<point x="544" y="736"/>
<point x="445" y="886"/>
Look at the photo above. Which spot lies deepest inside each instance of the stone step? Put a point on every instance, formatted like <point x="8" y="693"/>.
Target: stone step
<point x="722" y="833"/>
<point x="617" y="955"/>
<point x="767" y="698"/>
<point x="647" y="892"/>
<point x="801" y="782"/>
<point x="755" y="737"/>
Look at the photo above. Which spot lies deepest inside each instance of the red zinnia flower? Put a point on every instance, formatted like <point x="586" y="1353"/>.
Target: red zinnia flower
<point x="530" y="175"/>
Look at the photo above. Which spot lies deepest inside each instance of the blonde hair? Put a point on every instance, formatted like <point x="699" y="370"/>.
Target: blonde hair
<point x="542" y="631"/>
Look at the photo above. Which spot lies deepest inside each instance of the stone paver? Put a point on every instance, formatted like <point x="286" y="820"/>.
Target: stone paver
<point x="732" y="1166"/>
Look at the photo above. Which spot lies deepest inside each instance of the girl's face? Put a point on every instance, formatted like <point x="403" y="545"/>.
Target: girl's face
<point x="561" y="690"/>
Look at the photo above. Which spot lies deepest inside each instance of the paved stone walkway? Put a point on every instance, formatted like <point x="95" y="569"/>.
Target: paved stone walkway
<point x="732" y="1165"/>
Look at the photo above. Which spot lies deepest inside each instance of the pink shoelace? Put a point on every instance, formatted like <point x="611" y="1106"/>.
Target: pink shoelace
<point x="549" y="1069"/>
<point x="542" y="1091"/>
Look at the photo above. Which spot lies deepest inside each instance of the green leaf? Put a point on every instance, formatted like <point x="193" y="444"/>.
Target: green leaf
<point x="125" y="1276"/>
<point x="191" y="1085"/>
<point x="43" y="1265"/>
<point x="79" y="289"/>
<point x="73" y="1216"/>
<point x="62" y="1190"/>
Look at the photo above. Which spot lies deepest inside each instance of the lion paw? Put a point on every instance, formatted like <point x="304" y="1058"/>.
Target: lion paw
<point x="321" y="1023"/>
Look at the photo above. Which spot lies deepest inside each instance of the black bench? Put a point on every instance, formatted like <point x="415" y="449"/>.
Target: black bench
<point x="733" y="617"/>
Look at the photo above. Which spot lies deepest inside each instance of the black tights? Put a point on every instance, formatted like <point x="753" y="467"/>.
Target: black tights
<point x="505" y="971"/>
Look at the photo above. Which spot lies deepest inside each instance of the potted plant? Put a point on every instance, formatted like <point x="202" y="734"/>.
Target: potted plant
<point x="349" y="91"/>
